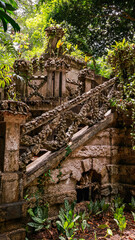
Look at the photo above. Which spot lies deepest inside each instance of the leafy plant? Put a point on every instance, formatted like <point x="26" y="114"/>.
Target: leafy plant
<point x="93" y="207"/>
<point x="6" y="9"/>
<point x="104" y="206"/>
<point x="4" y="75"/>
<point x="83" y="221"/>
<point x="97" y="207"/>
<point x="67" y="221"/>
<point x="95" y="235"/>
<point x="108" y="231"/>
<point x="132" y="204"/>
<point x="117" y="202"/>
<point x="39" y="216"/>
<point x="120" y="218"/>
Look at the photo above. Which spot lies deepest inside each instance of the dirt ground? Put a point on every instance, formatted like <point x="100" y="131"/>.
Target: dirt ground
<point x="89" y="234"/>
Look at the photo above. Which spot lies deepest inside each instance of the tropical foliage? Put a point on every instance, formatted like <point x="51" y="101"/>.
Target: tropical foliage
<point x="122" y="60"/>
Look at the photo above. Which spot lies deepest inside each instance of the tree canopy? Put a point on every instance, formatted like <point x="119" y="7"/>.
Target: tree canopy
<point x="91" y="27"/>
<point x="96" y="24"/>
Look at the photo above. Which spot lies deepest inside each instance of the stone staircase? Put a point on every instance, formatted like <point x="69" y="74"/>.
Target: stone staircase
<point x="53" y="130"/>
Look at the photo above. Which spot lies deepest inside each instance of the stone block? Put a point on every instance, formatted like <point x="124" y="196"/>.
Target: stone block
<point x="53" y="189"/>
<point x="99" y="163"/>
<point x="69" y="164"/>
<point x="102" y="138"/>
<point x="10" y="187"/>
<point x="104" y="176"/>
<point x="4" y="237"/>
<point x="76" y="174"/>
<point x="12" y="136"/>
<point x="65" y="177"/>
<point x="92" y="151"/>
<point x="86" y="165"/>
<point x="54" y="176"/>
<point x="11" y="211"/>
<point x="113" y="169"/>
<point x="11" y="161"/>
<point x="60" y="197"/>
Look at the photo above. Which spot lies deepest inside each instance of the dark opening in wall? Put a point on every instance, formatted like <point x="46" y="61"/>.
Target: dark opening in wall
<point x="82" y="195"/>
<point x="88" y="188"/>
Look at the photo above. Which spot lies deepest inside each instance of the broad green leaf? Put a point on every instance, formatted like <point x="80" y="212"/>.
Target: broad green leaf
<point x="39" y="227"/>
<point x="62" y="238"/>
<point x="109" y="232"/>
<point x="65" y="224"/>
<point x="40" y="212"/>
<point x="102" y="226"/>
<point x="37" y="220"/>
<point x="32" y="224"/>
<point x="10" y="20"/>
<point x="59" y="223"/>
<point x="2" y="5"/>
<point x="71" y="225"/>
<point x="75" y="219"/>
<point x="30" y="211"/>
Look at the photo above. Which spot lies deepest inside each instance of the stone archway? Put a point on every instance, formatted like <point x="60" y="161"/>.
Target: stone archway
<point x="89" y="186"/>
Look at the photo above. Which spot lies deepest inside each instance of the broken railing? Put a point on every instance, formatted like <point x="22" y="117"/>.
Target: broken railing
<point x="54" y="129"/>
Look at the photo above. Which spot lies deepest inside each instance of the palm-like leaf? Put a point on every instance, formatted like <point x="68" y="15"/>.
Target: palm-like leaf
<point x="5" y="18"/>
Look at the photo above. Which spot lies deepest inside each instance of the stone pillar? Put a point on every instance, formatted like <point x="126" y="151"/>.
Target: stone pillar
<point x="58" y="67"/>
<point x="49" y="92"/>
<point x="87" y="84"/>
<point x="86" y="77"/>
<point x="12" y="115"/>
<point x="57" y="77"/>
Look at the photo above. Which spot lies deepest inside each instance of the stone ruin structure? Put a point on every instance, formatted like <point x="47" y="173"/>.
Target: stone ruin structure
<point x="63" y="132"/>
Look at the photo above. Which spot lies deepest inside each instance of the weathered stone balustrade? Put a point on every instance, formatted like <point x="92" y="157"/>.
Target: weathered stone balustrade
<point x="63" y="122"/>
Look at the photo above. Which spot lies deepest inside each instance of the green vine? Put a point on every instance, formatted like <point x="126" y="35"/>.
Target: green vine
<point x="68" y="150"/>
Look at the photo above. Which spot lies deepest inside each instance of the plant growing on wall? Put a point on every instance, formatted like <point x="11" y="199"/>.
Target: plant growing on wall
<point x="122" y="60"/>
